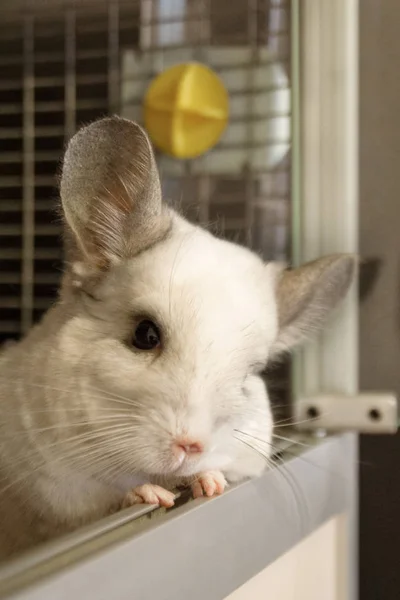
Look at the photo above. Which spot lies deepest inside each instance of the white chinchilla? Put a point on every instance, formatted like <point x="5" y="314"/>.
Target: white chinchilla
<point x="146" y="373"/>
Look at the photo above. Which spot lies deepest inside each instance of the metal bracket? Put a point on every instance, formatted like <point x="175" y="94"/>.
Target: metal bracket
<point x="373" y="413"/>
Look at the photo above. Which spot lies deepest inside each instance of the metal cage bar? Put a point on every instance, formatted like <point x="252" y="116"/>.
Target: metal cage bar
<point x="28" y="200"/>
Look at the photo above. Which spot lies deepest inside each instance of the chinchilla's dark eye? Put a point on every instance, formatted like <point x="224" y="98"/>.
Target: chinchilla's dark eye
<point x="147" y="336"/>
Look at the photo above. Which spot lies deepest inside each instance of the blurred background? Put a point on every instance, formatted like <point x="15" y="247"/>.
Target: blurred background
<point x="379" y="180"/>
<point x="63" y="64"/>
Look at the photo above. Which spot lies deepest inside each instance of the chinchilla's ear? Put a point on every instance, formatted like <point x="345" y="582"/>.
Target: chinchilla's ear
<point x="307" y="295"/>
<point x="110" y="193"/>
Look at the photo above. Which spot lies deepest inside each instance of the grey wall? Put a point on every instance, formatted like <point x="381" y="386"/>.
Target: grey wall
<point x="380" y="315"/>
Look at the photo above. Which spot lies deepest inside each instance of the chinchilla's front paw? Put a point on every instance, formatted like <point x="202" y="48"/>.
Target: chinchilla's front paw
<point x="149" y="494"/>
<point x="209" y="483"/>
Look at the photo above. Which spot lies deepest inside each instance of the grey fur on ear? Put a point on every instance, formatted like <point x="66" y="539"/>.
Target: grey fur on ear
<point x="307" y="295"/>
<point x="110" y="192"/>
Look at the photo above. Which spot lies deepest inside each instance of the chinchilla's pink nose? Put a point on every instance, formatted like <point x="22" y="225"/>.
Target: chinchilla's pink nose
<point x="188" y="445"/>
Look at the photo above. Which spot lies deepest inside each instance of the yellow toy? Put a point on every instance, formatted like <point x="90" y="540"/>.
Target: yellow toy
<point x="186" y="110"/>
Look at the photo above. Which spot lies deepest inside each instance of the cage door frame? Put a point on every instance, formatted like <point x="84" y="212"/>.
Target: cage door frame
<point x="325" y="206"/>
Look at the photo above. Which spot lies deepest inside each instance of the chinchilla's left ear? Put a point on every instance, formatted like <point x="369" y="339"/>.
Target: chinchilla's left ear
<point x="307" y="295"/>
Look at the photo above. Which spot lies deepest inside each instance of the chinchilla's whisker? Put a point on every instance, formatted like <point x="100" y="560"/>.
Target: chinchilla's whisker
<point x="72" y="424"/>
<point x="288" y="451"/>
<point x="281" y="471"/>
<point x="284" y="423"/>
<point x="292" y="441"/>
<point x="104" y="452"/>
<point x="100" y="432"/>
<point x="113" y="394"/>
<point x="109" y="473"/>
<point x="300" y="500"/>
<point x="69" y="409"/>
<point x="95" y="468"/>
<point x="86" y="396"/>
<point x="252" y="436"/>
<point x="262" y="453"/>
<point x="22" y="479"/>
<point x="87" y="436"/>
<point x="100" y="392"/>
<point x="96" y="440"/>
